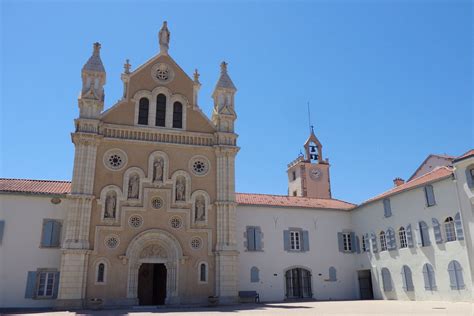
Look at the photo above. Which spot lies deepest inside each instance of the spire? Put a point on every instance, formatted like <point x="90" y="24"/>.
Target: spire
<point x="224" y="79"/>
<point x="94" y="63"/>
<point x="164" y="38"/>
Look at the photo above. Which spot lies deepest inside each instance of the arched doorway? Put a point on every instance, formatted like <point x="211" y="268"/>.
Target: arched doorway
<point x="298" y="283"/>
<point x="154" y="257"/>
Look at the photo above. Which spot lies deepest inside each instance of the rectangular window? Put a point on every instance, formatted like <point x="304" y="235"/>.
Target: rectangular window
<point x="403" y="238"/>
<point x="295" y="240"/>
<point x="364" y="247"/>
<point x="294" y="175"/>
<point x="347" y="242"/>
<point x="45" y="284"/>
<point x="2" y="228"/>
<point x="429" y="195"/>
<point x="295" y="193"/>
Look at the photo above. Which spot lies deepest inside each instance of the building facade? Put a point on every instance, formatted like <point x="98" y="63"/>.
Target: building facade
<point x="151" y="215"/>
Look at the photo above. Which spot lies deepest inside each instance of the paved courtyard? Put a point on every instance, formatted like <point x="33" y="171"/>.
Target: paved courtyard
<point x="301" y="308"/>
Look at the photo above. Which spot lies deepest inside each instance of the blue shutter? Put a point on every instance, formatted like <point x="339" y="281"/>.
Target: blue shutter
<point x="2" y="228"/>
<point x="340" y="242"/>
<point x="391" y="243"/>
<point x="367" y="243"/>
<point x="429" y="195"/>
<point x="424" y="234"/>
<point x="373" y="238"/>
<point x="357" y="244"/>
<point x="429" y="277"/>
<point x="30" y="285"/>
<point x="305" y="240"/>
<point x="332" y="274"/>
<point x="386" y="280"/>
<point x="455" y="275"/>
<point x="437" y="231"/>
<point x="47" y="233"/>
<point x="407" y="279"/>
<point x="409" y="234"/>
<point x="387" y="208"/>
<point x="286" y="240"/>
<point x="258" y="238"/>
<point x="458" y="224"/>
<point x="56" y="234"/>
<point x="56" y="285"/>
<point x="254" y="275"/>
<point x="353" y="242"/>
<point x="250" y="238"/>
<point x="469" y="178"/>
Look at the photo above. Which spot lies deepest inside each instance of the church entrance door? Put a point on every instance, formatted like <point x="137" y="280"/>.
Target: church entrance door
<point x="152" y="284"/>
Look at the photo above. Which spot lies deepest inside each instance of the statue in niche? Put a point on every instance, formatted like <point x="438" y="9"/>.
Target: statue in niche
<point x="133" y="186"/>
<point x="200" y="211"/>
<point x="110" y="205"/>
<point x="158" y="170"/>
<point x="180" y="189"/>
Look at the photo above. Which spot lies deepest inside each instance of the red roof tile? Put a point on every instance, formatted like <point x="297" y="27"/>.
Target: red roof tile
<point x="465" y="155"/>
<point x="291" y="201"/>
<point x="35" y="186"/>
<point x="435" y="175"/>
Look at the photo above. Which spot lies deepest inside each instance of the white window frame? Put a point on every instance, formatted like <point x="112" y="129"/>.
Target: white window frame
<point x="347" y="242"/>
<point x="402" y="236"/>
<point x="49" y="276"/>
<point x="383" y="241"/>
<point x="295" y="240"/>
<point x="364" y="244"/>
<point x="449" y="229"/>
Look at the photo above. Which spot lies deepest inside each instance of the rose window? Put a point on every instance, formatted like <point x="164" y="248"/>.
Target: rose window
<point x="135" y="221"/>
<point x="200" y="166"/>
<point x="196" y="243"/>
<point x="162" y="73"/>
<point x="176" y="222"/>
<point x="112" y="242"/>
<point x="157" y="203"/>
<point x="115" y="161"/>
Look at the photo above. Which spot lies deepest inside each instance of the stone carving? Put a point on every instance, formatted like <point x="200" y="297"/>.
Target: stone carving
<point x="180" y="189"/>
<point x="153" y="251"/>
<point x="133" y="186"/>
<point x="110" y="205"/>
<point x="200" y="212"/>
<point x="164" y="38"/>
<point x="158" y="170"/>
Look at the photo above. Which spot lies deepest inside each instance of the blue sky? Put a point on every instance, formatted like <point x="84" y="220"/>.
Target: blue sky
<point x="388" y="82"/>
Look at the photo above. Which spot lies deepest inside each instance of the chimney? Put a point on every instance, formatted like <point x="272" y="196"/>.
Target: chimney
<point x="398" y="181"/>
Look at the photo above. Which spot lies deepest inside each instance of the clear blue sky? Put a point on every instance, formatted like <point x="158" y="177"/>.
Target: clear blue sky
<point x="389" y="82"/>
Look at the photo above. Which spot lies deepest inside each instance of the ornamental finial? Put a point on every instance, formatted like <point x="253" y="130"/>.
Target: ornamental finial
<point x="223" y="66"/>
<point x="196" y="76"/>
<point x="96" y="49"/>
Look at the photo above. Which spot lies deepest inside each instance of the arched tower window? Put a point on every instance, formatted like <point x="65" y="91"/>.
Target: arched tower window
<point x="203" y="272"/>
<point x="177" y="115"/>
<point x="143" y="106"/>
<point x="160" y="119"/>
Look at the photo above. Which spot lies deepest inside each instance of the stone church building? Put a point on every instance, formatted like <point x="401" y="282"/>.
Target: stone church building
<point x="151" y="215"/>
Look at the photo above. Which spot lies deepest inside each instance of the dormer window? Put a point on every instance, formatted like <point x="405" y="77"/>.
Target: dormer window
<point x="143" y="106"/>
<point x="177" y="115"/>
<point x="160" y="119"/>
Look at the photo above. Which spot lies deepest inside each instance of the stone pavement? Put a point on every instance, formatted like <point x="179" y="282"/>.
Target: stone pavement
<point x="298" y="308"/>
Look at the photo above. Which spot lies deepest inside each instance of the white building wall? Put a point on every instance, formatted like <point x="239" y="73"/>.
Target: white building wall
<point x="409" y="207"/>
<point x="273" y="261"/>
<point x="20" y="250"/>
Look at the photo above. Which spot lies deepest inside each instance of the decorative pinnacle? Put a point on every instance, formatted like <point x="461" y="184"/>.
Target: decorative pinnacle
<point x="196" y="76"/>
<point x="224" y="67"/>
<point x="96" y="49"/>
<point x="127" y="66"/>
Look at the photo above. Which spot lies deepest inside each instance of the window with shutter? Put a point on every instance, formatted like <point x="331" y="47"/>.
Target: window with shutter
<point x="424" y="234"/>
<point x="364" y="247"/>
<point x="449" y="229"/>
<point x="254" y="275"/>
<point x="429" y="277"/>
<point x="373" y="241"/>
<point x="383" y="241"/>
<point x="295" y="240"/>
<point x="402" y="237"/>
<point x="386" y="280"/>
<point x="332" y="274"/>
<point x="458" y="224"/>
<point x="2" y="229"/>
<point x="51" y="233"/>
<point x="391" y="242"/>
<point x="455" y="275"/>
<point x="387" y="208"/>
<point x="437" y="231"/>
<point x="407" y="279"/>
<point x="429" y="195"/>
<point x="409" y="235"/>
<point x="470" y="176"/>
<point x="251" y="232"/>
<point x="347" y="242"/>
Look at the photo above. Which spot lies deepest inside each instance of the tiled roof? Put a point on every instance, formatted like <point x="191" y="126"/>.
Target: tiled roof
<point x="435" y="175"/>
<point x="291" y="201"/>
<point x="34" y="186"/>
<point x="465" y="155"/>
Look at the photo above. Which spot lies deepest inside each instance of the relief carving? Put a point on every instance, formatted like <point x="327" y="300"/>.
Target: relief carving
<point x="153" y="251"/>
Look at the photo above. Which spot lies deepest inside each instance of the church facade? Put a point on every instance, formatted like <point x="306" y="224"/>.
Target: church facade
<point x="151" y="215"/>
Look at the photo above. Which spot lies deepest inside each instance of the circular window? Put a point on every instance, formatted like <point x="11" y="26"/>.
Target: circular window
<point x="176" y="222"/>
<point x="115" y="159"/>
<point x="157" y="203"/>
<point x="135" y="221"/>
<point x="199" y="165"/>
<point x="162" y="73"/>
<point x="112" y="242"/>
<point x="196" y="243"/>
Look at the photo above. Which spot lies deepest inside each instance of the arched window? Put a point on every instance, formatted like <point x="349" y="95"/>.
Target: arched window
<point x="455" y="275"/>
<point x="177" y="115"/>
<point x="160" y="119"/>
<point x="254" y="275"/>
<point x="143" y="106"/>
<point x="203" y="273"/>
<point x="429" y="277"/>
<point x="101" y="273"/>
<point x="449" y="229"/>
<point x="332" y="274"/>
<point x="403" y="237"/>
<point x="386" y="280"/>
<point x="407" y="279"/>
<point x="383" y="241"/>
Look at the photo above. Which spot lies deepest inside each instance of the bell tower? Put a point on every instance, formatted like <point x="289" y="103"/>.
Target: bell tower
<point x="308" y="175"/>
